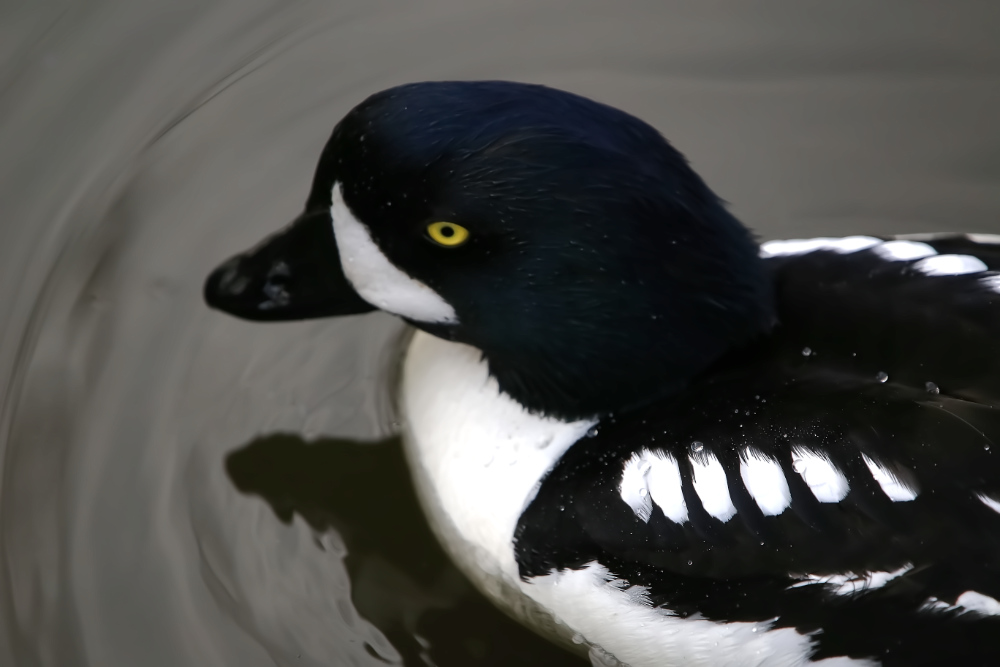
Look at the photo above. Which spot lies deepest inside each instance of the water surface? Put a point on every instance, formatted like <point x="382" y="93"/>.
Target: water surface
<point x="181" y="488"/>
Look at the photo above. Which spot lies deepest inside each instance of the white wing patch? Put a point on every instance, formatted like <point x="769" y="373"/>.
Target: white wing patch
<point x="926" y="259"/>
<point x="826" y="482"/>
<point x="711" y="485"/>
<point x="904" y="251"/>
<point x="969" y="602"/>
<point x="892" y="486"/>
<point x="765" y="481"/>
<point x="849" y="583"/>
<point x="377" y="280"/>
<point x="665" y="487"/>
<point x="987" y="239"/>
<point x="650" y="477"/>
<point x="989" y="502"/>
<point x="950" y="265"/>
<point x="842" y="245"/>
<point x="991" y="282"/>
<point x="633" y="488"/>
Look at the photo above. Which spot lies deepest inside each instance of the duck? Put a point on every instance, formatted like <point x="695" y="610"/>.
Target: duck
<point x="632" y="425"/>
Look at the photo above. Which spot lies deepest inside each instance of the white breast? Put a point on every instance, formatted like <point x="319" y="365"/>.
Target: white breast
<point x="477" y="456"/>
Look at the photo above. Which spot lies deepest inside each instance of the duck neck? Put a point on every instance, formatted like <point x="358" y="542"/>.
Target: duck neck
<point x="629" y="356"/>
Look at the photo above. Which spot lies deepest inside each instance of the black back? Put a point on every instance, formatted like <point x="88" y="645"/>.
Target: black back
<point x="871" y="358"/>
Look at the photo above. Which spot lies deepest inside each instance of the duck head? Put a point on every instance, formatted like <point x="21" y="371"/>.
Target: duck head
<point x="564" y="238"/>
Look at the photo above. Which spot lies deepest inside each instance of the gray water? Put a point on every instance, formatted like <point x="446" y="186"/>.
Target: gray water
<point x="181" y="488"/>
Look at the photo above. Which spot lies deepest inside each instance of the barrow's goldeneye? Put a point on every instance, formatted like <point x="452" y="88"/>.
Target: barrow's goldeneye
<point x="633" y="426"/>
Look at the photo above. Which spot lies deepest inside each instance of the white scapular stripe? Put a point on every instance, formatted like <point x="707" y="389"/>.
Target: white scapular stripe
<point x="665" y="486"/>
<point x="987" y="239"/>
<point x="650" y="477"/>
<point x="377" y="280"/>
<point x="969" y="602"/>
<point x="950" y="265"/>
<point x="824" y="480"/>
<point x="891" y="485"/>
<point x="633" y="488"/>
<point x="904" y="251"/>
<point x="712" y="487"/>
<point x="765" y="481"/>
<point x="973" y="601"/>
<point x="849" y="583"/>
<point x="846" y="244"/>
<point x="930" y="262"/>
<point x="989" y="502"/>
<point x="991" y="282"/>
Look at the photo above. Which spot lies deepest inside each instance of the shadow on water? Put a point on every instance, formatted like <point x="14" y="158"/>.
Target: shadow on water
<point x="401" y="579"/>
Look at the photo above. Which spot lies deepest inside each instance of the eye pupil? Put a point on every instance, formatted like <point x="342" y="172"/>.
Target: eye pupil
<point x="447" y="234"/>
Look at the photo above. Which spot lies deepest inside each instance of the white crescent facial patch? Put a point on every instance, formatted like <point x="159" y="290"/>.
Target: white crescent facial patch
<point x="377" y="280"/>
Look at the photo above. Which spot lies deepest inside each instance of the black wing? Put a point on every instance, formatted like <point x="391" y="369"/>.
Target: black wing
<point x="841" y="476"/>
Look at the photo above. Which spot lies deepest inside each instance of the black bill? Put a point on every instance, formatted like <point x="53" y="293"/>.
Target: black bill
<point x="293" y="275"/>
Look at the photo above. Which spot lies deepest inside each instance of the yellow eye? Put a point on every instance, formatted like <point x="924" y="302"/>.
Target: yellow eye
<point x="447" y="234"/>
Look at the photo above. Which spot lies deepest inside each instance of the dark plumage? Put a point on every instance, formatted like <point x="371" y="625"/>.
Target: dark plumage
<point x="865" y="362"/>
<point x="602" y="278"/>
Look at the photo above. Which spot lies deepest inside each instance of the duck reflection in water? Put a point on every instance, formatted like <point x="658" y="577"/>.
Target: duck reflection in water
<point x="401" y="579"/>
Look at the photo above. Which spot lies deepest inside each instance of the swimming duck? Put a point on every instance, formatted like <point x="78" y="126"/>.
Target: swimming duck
<point x="630" y="424"/>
